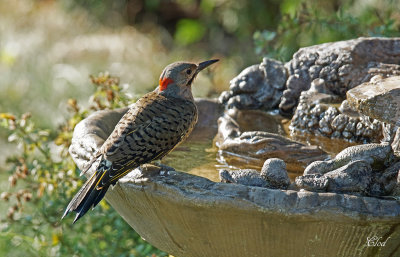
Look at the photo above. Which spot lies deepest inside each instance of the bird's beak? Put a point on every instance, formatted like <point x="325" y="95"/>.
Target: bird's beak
<point x="201" y="66"/>
<point x="205" y="64"/>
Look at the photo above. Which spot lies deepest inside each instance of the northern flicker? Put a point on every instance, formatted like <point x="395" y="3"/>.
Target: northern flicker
<point x="149" y="130"/>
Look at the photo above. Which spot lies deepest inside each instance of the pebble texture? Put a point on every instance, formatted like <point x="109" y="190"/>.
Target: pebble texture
<point x="274" y="172"/>
<point x="341" y="65"/>
<point x="316" y="113"/>
<point x="354" y="177"/>
<point x="327" y="72"/>
<point x="378" y="156"/>
<point x="273" y="175"/>
<point x="259" y="86"/>
<point x="369" y="169"/>
<point x="247" y="177"/>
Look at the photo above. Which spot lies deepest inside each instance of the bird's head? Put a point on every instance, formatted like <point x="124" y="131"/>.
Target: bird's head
<point x="177" y="78"/>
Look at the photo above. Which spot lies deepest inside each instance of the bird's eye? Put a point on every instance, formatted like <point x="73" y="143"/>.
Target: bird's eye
<point x="188" y="71"/>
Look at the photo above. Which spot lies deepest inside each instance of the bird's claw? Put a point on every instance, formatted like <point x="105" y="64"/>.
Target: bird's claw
<point x="154" y="169"/>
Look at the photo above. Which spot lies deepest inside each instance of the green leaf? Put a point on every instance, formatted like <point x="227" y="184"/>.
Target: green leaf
<point x="290" y="7"/>
<point x="189" y="31"/>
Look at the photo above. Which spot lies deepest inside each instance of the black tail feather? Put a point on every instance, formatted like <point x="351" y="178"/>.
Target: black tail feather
<point x="87" y="197"/>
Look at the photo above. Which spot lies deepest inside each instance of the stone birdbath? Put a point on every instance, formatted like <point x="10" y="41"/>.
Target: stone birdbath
<point x="191" y="216"/>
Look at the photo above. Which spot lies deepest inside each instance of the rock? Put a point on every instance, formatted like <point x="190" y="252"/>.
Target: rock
<point x="256" y="87"/>
<point x="386" y="182"/>
<point x="339" y="122"/>
<point x="295" y="85"/>
<point x="319" y="86"/>
<point x="379" y="99"/>
<point x="317" y="113"/>
<point x="342" y="65"/>
<point x="273" y="175"/>
<point x="318" y="167"/>
<point x="247" y="177"/>
<point x="396" y="143"/>
<point x="275" y="73"/>
<point x="396" y="188"/>
<point x="274" y="172"/>
<point x="348" y="110"/>
<point x="354" y="177"/>
<point x="255" y="146"/>
<point x="378" y="156"/>
<point x="312" y="182"/>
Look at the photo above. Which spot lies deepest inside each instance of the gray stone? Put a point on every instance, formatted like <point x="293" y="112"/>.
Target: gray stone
<point x="224" y="97"/>
<point x="256" y="146"/>
<point x="378" y="156"/>
<point x="342" y="65"/>
<point x="247" y="177"/>
<point x="248" y="81"/>
<point x="348" y="110"/>
<point x="256" y="87"/>
<point x="317" y="113"/>
<point x="396" y="188"/>
<point x="386" y="182"/>
<point x="275" y="73"/>
<point x="312" y="182"/>
<point x="379" y="99"/>
<point x="355" y="176"/>
<point x="274" y="172"/>
<point x="339" y="122"/>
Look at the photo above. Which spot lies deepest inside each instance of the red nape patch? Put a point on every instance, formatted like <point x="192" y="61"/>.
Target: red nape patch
<point x="164" y="83"/>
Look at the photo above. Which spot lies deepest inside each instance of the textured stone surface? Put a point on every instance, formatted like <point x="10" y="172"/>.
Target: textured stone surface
<point x="190" y="216"/>
<point x="312" y="182"/>
<point x="386" y="182"/>
<point x="378" y="156"/>
<point x="274" y="172"/>
<point x="257" y="146"/>
<point x="318" y="113"/>
<point x="273" y="175"/>
<point x="354" y="177"/>
<point x="379" y="99"/>
<point x="341" y="65"/>
<point x="256" y="87"/>
<point x="247" y="177"/>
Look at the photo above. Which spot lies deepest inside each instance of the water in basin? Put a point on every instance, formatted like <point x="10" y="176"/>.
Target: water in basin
<point x="199" y="155"/>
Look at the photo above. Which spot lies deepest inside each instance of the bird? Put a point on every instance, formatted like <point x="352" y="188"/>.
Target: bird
<point x="149" y="130"/>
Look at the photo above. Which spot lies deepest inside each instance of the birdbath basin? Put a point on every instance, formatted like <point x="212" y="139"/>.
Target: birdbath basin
<point x="191" y="216"/>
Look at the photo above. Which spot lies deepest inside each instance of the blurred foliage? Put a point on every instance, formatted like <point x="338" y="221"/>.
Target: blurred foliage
<point x="278" y="28"/>
<point x="43" y="178"/>
<point x="306" y="23"/>
<point x="189" y="31"/>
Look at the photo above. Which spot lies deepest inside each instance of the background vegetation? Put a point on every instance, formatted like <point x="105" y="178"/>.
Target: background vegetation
<point x="49" y="48"/>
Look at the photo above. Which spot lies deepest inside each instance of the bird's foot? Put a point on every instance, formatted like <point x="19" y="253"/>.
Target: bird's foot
<point x="155" y="169"/>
